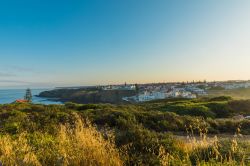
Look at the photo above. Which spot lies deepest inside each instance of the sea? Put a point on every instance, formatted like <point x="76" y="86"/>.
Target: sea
<point x="11" y="95"/>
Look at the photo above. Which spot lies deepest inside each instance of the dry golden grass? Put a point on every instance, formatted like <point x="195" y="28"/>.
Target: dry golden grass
<point x="81" y="144"/>
<point x="84" y="145"/>
<point x="204" y="151"/>
<point x="197" y="150"/>
<point x="17" y="151"/>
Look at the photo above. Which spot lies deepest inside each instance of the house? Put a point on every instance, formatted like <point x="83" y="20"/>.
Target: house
<point x="238" y="117"/>
<point x="119" y="87"/>
<point x="247" y="117"/>
<point x="21" y="101"/>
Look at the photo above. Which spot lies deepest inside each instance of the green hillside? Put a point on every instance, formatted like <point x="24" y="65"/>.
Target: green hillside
<point x="242" y="93"/>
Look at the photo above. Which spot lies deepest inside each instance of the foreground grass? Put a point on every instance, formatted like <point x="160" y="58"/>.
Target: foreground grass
<point x="81" y="144"/>
<point x="78" y="145"/>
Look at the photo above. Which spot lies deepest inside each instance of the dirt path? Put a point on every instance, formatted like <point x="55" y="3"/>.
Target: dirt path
<point x="212" y="137"/>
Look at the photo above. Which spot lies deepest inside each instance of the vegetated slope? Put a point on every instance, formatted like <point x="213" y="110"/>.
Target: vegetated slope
<point x="240" y="93"/>
<point x="88" y="95"/>
<point x="143" y="134"/>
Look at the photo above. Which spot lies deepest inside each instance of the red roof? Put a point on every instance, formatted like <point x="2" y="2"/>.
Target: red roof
<point x="21" y="101"/>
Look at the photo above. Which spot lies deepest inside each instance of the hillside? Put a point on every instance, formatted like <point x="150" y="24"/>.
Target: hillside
<point x="133" y="134"/>
<point x="240" y="93"/>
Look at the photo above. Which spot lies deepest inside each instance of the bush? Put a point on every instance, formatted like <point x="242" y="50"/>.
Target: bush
<point x="192" y="110"/>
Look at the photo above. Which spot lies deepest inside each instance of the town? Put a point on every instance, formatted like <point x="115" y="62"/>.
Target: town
<point x="189" y="90"/>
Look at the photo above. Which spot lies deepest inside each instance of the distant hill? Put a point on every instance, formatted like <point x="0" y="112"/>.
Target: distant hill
<point x="87" y="95"/>
<point x="240" y="93"/>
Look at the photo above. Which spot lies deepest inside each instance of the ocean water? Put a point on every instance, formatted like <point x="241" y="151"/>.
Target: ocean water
<point x="10" y="95"/>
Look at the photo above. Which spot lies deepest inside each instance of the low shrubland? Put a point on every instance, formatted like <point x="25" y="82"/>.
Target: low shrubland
<point x="169" y="132"/>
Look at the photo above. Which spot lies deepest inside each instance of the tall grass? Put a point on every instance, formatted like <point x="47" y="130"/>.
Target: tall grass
<point x="204" y="151"/>
<point x="78" y="144"/>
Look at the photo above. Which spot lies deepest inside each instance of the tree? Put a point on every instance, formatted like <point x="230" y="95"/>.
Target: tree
<point x="137" y="88"/>
<point x="28" y="95"/>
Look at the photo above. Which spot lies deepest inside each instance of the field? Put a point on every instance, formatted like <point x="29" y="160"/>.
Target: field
<point x="167" y="132"/>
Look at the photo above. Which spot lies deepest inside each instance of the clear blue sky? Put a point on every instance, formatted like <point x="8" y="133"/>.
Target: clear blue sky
<point x="76" y="42"/>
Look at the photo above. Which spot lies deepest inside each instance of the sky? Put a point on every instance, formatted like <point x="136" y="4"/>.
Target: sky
<point x="46" y="43"/>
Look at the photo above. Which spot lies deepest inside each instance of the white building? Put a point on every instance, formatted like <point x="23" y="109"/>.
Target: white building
<point x="147" y="96"/>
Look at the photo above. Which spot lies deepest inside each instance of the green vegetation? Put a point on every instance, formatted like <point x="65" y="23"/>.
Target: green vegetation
<point x="133" y="134"/>
<point x="241" y="93"/>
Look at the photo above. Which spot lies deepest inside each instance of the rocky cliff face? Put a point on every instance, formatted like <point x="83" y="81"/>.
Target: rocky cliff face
<point x="88" y="95"/>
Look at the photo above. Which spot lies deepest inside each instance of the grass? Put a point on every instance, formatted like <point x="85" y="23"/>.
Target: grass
<point x="80" y="144"/>
<point x="206" y="151"/>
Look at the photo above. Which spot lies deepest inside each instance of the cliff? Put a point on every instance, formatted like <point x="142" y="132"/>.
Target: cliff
<point x="83" y="95"/>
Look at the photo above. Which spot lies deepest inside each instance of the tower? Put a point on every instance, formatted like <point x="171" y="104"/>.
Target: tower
<point x="28" y="95"/>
